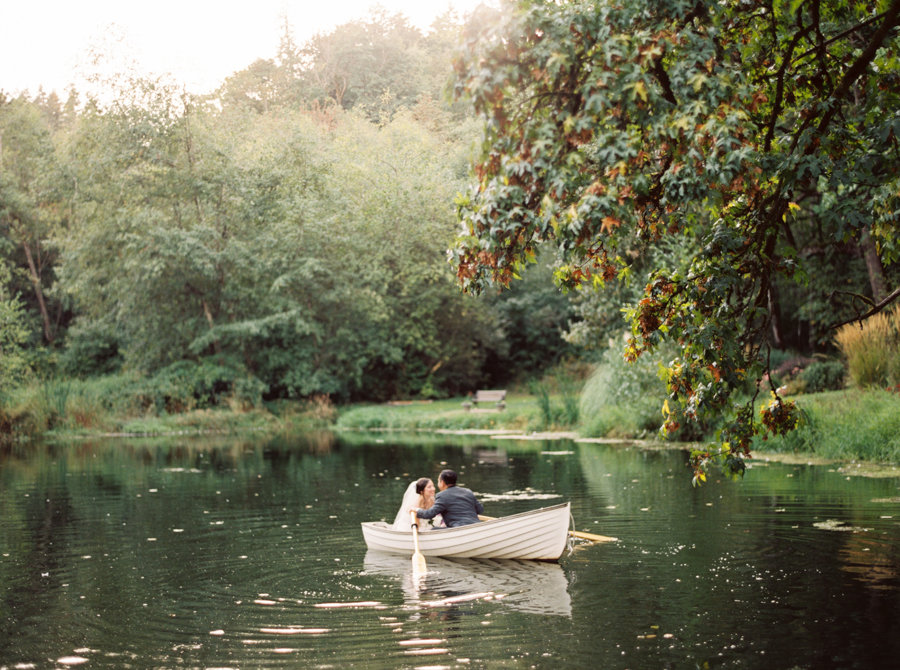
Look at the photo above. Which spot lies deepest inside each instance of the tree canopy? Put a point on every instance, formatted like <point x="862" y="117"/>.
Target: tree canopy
<point x="612" y="126"/>
<point x="271" y="236"/>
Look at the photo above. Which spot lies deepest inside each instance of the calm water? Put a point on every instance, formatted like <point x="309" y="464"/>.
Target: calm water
<point x="221" y="554"/>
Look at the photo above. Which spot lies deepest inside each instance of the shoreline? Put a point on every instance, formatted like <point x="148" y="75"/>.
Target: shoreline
<point x="854" y="431"/>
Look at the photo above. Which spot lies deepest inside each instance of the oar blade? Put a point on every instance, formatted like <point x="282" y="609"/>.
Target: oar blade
<point x="418" y="560"/>
<point x="418" y="564"/>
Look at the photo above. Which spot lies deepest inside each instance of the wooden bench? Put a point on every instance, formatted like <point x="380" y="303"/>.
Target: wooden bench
<point x="496" y="397"/>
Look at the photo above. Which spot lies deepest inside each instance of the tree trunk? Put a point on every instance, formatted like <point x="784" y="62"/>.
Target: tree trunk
<point x="36" y="280"/>
<point x="873" y="265"/>
<point x="209" y="319"/>
<point x="775" y="316"/>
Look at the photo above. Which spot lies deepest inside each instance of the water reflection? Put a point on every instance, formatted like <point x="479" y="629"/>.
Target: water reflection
<point x="526" y="586"/>
<point x="233" y="552"/>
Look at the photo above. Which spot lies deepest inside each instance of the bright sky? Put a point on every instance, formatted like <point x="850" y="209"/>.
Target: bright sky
<point x="201" y="42"/>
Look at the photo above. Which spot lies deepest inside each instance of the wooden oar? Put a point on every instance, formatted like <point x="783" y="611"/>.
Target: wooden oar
<point x="418" y="560"/>
<point x="573" y="533"/>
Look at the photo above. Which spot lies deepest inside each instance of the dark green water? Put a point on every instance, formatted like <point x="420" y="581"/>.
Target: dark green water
<point x="220" y="554"/>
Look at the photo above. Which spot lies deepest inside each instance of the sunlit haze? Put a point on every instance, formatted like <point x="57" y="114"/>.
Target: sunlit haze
<point x="201" y="43"/>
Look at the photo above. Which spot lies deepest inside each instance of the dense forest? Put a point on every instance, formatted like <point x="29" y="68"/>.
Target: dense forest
<point x="286" y="235"/>
<point x="283" y="236"/>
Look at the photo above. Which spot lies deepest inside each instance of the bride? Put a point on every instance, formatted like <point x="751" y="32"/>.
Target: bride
<point x="418" y="494"/>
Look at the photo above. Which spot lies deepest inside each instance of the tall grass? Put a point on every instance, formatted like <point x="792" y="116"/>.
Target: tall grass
<point x="613" y="407"/>
<point x="49" y="405"/>
<point x="872" y="350"/>
<point x="547" y="411"/>
<point x="133" y="403"/>
<point x="623" y="400"/>
<point x="564" y="383"/>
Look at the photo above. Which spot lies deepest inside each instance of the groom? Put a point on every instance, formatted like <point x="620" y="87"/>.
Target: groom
<point x="456" y="505"/>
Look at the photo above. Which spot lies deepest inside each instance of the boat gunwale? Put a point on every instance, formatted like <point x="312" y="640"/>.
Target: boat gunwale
<point x="471" y="526"/>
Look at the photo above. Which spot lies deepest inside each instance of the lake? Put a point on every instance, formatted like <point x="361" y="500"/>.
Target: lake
<point x="246" y="552"/>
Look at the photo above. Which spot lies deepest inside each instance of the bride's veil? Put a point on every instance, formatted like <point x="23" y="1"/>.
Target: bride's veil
<point x="410" y="501"/>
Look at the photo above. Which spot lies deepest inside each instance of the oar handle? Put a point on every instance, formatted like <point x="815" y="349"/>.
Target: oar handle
<point x="415" y="529"/>
<point x="573" y="533"/>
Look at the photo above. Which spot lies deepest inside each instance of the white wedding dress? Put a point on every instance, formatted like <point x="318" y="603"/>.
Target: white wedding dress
<point x="403" y="520"/>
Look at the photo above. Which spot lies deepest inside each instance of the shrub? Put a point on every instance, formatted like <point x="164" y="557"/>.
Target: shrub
<point x="786" y="368"/>
<point x="91" y="349"/>
<point x="246" y="393"/>
<point x="872" y="350"/>
<point x="188" y="385"/>
<point x="823" y="376"/>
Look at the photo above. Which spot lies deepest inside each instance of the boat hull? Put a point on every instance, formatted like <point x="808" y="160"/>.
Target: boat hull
<point x="540" y="535"/>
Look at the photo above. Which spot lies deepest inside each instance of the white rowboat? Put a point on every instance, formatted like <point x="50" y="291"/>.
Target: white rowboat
<point x="539" y="535"/>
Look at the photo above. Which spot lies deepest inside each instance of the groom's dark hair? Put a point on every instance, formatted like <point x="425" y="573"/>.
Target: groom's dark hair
<point x="448" y="477"/>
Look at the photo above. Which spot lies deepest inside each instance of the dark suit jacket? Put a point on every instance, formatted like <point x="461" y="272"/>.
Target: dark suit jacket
<point x="456" y="505"/>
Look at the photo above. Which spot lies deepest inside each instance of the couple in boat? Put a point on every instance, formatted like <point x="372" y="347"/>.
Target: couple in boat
<point x="452" y="506"/>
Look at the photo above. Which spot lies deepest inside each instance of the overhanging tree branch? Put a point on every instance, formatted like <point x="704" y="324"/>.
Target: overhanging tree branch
<point x="891" y="20"/>
<point x="831" y="40"/>
<point x="873" y="310"/>
<point x="779" y="88"/>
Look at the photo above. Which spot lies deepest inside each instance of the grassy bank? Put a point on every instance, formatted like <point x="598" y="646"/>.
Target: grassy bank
<point x="124" y="405"/>
<point x="522" y="413"/>
<point x="844" y="425"/>
<point x="848" y="425"/>
<point x="132" y="405"/>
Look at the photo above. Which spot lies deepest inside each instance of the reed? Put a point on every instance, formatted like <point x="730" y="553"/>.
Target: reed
<point x="546" y="408"/>
<point x="84" y="409"/>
